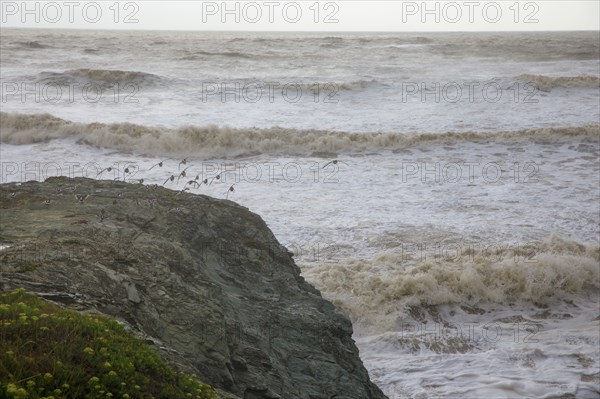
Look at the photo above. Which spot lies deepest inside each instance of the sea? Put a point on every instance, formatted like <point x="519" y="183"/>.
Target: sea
<point x="441" y="189"/>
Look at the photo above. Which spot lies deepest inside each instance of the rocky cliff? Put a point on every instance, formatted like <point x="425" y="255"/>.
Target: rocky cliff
<point x="203" y="279"/>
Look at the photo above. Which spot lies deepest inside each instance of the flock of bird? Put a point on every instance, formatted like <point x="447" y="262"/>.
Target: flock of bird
<point x="196" y="182"/>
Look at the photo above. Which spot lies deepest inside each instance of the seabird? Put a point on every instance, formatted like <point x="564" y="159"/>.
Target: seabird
<point x="231" y="189"/>
<point x="192" y="182"/>
<point x="334" y="162"/>
<point x="218" y="177"/>
<point x="109" y="169"/>
<point x="126" y="171"/>
<point x="183" y="162"/>
<point x="182" y="174"/>
<point x="160" y="164"/>
<point x="171" y="178"/>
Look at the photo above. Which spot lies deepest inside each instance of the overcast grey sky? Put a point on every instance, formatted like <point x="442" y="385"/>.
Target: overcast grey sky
<point x="311" y="15"/>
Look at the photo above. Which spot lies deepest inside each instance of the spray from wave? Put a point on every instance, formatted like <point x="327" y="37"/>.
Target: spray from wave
<point x="217" y="141"/>
<point x="375" y="294"/>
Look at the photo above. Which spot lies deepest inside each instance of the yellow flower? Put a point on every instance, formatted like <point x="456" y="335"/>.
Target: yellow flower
<point x="47" y="376"/>
<point x="112" y="374"/>
<point x="88" y="350"/>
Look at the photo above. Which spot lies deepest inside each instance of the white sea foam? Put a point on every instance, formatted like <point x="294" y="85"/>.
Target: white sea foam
<point x="425" y="320"/>
<point x="223" y="141"/>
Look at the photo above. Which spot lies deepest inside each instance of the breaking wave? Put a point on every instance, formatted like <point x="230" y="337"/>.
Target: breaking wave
<point x="32" y="45"/>
<point x="226" y="141"/>
<point x="547" y="83"/>
<point x="378" y="292"/>
<point x="98" y="76"/>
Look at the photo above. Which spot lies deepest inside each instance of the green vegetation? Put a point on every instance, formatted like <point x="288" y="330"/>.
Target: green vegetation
<point x="54" y="353"/>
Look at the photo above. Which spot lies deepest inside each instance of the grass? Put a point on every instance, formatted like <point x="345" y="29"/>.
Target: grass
<point x="54" y="353"/>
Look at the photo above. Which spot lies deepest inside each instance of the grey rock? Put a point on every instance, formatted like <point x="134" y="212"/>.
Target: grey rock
<point x="202" y="279"/>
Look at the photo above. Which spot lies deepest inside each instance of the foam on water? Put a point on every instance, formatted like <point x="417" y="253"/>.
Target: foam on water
<point x="462" y="238"/>
<point x="224" y="141"/>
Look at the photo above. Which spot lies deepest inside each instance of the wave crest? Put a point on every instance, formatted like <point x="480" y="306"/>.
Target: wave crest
<point x="32" y="45"/>
<point x="217" y="141"/>
<point x="98" y="76"/>
<point x="547" y="83"/>
<point x="380" y="291"/>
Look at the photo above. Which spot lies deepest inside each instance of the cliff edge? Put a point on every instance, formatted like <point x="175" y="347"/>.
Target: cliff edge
<point x="202" y="279"/>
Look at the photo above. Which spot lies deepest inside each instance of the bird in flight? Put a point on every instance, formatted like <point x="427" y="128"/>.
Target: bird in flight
<point x="230" y="190"/>
<point x="127" y="171"/>
<point x="109" y="169"/>
<point x="193" y="183"/>
<point x="183" y="162"/>
<point x="334" y="162"/>
<point x="182" y="174"/>
<point x="218" y="177"/>
<point x="170" y="178"/>
<point x="205" y="181"/>
<point x="160" y="164"/>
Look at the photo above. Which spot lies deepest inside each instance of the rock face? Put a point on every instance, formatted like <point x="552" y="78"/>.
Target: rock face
<point x="202" y="278"/>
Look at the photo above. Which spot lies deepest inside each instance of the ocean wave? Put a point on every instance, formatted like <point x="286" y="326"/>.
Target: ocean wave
<point x="226" y="141"/>
<point x="198" y="55"/>
<point x="378" y="292"/>
<point x="97" y="76"/>
<point x="354" y="85"/>
<point x="547" y="83"/>
<point x="32" y="45"/>
<point x="315" y="86"/>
